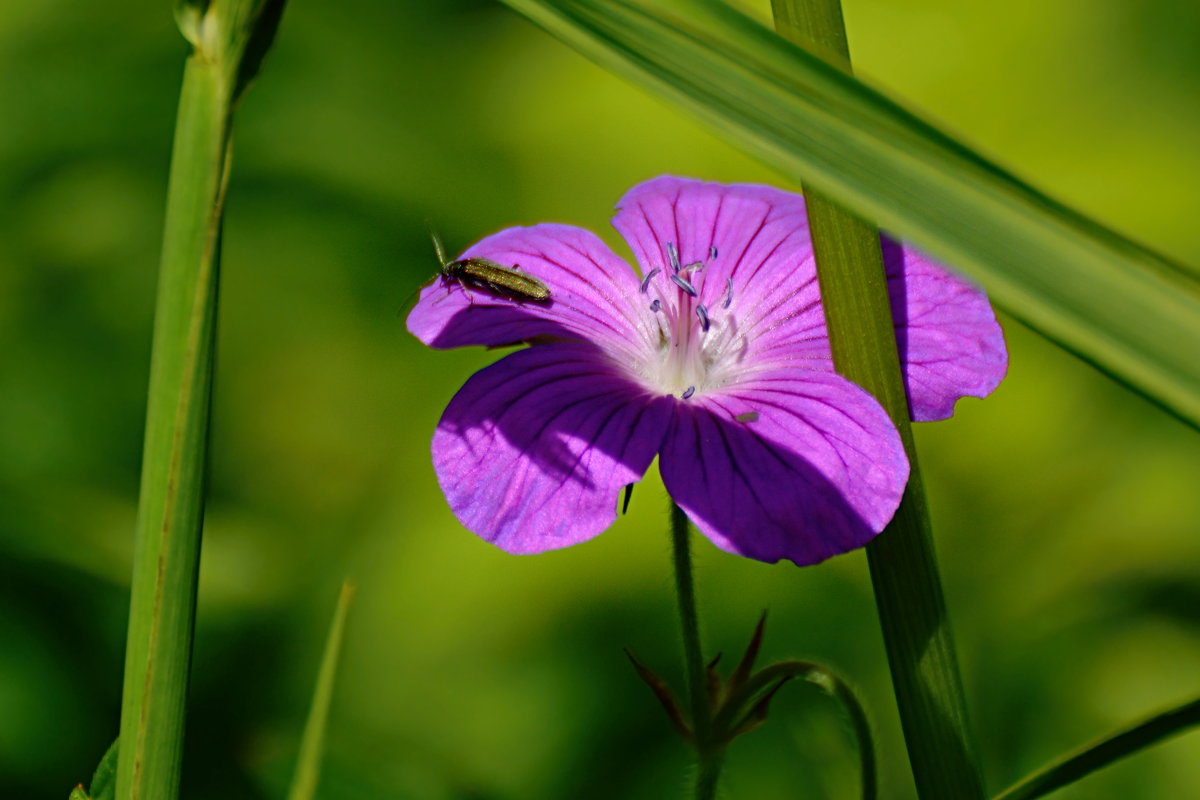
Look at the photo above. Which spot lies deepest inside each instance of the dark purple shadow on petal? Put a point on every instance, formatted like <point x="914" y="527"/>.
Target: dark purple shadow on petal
<point x="534" y="449"/>
<point x="803" y="481"/>
<point x="893" y="267"/>
<point x="495" y="324"/>
<point x="952" y="346"/>
<point x="730" y="457"/>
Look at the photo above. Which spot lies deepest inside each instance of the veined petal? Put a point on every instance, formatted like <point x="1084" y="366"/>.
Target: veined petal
<point x="950" y="343"/>
<point x="757" y="276"/>
<point x="790" y="464"/>
<point x="592" y="295"/>
<point x="532" y="452"/>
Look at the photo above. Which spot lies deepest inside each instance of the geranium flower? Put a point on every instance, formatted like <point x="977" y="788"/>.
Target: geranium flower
<point x="716" y="360"/>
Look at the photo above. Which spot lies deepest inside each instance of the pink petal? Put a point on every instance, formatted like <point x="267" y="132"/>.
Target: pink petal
<point x="790" y="464"/>
<point x="760" y="236"/>
<point x="950" y="342"/>
<point x="532" y="452"/>
<point x="592" y="295"/>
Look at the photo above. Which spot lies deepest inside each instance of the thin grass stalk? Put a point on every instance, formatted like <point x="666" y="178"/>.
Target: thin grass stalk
<point x="312" y="745"/>
<point x="1102" y="753"/>
<point x="904" y="574"/>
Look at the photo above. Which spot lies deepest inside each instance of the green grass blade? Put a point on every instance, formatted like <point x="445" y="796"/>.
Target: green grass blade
<point x="904" y="573"/>
<point x="171" y="500"/>
<point x="742" y="700"/>
<point x="312" y="745"/>
<point x="1104" y="752"/>
<point x="1130" y="311"/>
<point x="171" y="504"/>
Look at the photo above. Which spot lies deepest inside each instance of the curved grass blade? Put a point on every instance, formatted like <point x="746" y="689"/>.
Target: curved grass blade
<point x="1128" y="310"/>
<point x="1104" y="752"/>
<point x="742" y="703"/>
<point x="312" y="745"/>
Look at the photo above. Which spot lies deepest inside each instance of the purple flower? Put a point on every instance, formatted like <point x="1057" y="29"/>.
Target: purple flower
<point x="717" y="361"/>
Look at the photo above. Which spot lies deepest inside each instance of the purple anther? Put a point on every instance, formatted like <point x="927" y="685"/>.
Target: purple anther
<point x="702" y="313"/>
<point x="673" y="254"/>
<point x="684" y="284"/>
<point x="691" y="390"/>
<point x="646" y="280"/>
<point x="712" y="252"/>
<point x="656" y="305"/>
<point x="728" y="293"/>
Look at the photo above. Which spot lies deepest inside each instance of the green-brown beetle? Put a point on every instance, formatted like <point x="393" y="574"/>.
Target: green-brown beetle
<point x="491" y="276"/>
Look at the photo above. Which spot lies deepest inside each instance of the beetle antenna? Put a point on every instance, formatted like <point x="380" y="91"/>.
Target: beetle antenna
<point x="437" y="244"/>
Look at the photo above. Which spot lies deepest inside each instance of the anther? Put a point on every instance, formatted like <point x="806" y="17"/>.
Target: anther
<point x="649" y="276"/>
<point x="691" y="390"/>
<point x="728" y="293"/>
<point x="673" y="254"/>
<point x="702" y="313"/>
<point x="684" y="284"/>
<point x="656" y="305"/>
<point x="712" y="252"/>
<point x="695" y="266"/>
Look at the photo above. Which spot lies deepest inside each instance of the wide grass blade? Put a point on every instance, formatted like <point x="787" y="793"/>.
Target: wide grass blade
<point x="229" y="38"/>
<point x="1130" y="311"/>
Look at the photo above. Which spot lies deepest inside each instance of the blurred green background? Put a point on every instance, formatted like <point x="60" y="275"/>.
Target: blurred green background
<point x="1066" y="508"/>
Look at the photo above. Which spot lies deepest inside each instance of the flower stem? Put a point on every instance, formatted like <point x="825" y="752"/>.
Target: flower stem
<point x="908" y="592"/>
<point x="708" y="754"/>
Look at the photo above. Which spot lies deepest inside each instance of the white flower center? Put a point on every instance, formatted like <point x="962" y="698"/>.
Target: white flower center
<point x="697" y="344"/>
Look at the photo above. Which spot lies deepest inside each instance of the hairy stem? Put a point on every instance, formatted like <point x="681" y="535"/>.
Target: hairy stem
<point x="708" y="753"/>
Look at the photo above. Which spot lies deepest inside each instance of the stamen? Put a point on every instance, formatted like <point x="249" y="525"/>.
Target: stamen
<point x="691" y="390"/>
<point x="649" y="276"/>
<point x="712" y="252"/>
<point x="656" y="305"/>
<point x="695" y="266"/>
<point x="702" y="313"/>
<point x="684" y="284"/>
<point x="728" y="293"/>
<point x="673" y="254"/>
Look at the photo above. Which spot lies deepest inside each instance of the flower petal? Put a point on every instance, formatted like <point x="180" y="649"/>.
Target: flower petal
<point x="532" y="452"/>
<point x="592" y="295"/>
<point x="796" y="465"/>
<point x="763" y="252"/>
<point x="950" y="342"/>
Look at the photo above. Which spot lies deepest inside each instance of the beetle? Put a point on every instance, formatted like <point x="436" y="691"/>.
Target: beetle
<point x="491" y="276"/>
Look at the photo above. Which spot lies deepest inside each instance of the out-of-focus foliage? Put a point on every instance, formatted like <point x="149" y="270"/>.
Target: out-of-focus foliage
<point x="1065" y="508"/>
